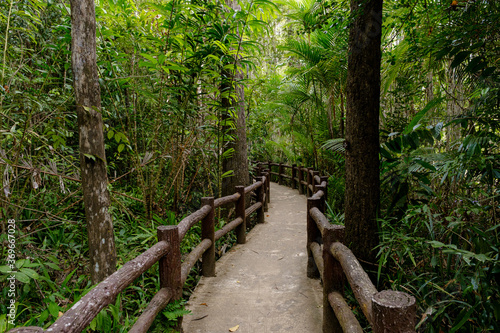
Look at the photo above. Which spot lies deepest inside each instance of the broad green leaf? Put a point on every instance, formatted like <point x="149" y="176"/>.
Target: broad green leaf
<point x="460" y="57"/>
<point x="425" y="164"/>
<point x="30" y="273"/>
<point x="421" y="113"/>
<point x="5" y="269"/>
<point x="149" y="57"/>
<point x="53" y="266"/>
<point x="54" y="309"/>
<point x="21" y="277"/>
<point x="20" y="263"/>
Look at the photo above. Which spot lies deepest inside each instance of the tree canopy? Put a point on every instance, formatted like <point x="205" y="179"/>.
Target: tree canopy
<point x="178" y="77"/>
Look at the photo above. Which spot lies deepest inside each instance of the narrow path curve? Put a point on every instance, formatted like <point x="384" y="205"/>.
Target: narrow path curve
<point x="262" y="285"/>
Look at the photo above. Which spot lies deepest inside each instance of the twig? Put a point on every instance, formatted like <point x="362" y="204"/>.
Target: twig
<point x="45" y="172"/>
<point x="127" y="196"/>
<point x="52" y="226"/>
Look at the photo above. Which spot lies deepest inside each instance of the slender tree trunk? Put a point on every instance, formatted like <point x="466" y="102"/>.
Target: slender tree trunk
<point x="238" y="162"/>
<point x="362" y="128"/>
<point x="92" y="155"/>
<point x="331" y="114"/>
<point x="453" y="107"/>
<point x="341" y="126"/>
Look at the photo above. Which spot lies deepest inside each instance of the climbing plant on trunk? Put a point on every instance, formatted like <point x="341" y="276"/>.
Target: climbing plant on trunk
<point x="362" y="193"/>
<point x="92" y="154"/>
<point x="237" y="163"/>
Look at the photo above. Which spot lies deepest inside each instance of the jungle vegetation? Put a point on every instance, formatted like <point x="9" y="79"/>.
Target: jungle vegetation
<point x="188" y="86"/>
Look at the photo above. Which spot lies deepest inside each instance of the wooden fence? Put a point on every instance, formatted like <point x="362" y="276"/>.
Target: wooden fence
<point x="173" y="273"/>
<point x="387" y="311"/>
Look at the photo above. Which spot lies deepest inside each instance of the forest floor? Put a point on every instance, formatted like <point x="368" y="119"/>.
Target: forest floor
<point x="262" y="286"/>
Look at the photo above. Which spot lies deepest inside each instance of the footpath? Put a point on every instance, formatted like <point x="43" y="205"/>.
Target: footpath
<point x="262" y="286"/>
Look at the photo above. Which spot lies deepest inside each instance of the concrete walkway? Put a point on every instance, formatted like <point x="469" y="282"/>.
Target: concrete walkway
<point x="262" y="285"/>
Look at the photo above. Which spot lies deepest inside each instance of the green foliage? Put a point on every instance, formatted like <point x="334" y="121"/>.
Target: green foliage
<point x="449" y="262"/>
<point x="165" y="69"/>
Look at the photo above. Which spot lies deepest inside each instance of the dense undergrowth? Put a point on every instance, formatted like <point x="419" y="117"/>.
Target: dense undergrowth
<point x="161" y="64"/>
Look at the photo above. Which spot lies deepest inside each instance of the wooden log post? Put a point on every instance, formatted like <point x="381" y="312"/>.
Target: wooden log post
<point x="270" y="167"/>
<point x="301" y="178"/>
<point x="310" y="181"/>
<point x="393" y="312"/>
<point x="333" y="277"/>
<point x="241" y="230"/>
<point x="280" y="173"/>
<point x="265" y="191"/>
<point x="315" y="173"/>
<point x="294" y="175"/>
<point x="322" y="205"/>
<point x="170" y="264"/>
<point x="313" y="235"/>
<point x="208" y="232"/>
<point x="325" y="179"/>
<point x="259" y="169"/>
<point x="268" y="187"/>
<point x="260" y="198"/>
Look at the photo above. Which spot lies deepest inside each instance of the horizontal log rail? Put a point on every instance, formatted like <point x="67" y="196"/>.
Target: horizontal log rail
<point x="253" y="187"/>
<point x="192" y="219"/>
<point x="193" y="257"/>
<point x="227" y="228"/>
<point x="387" y="311"/>
<point x="359" y="281"/>
<point x="317" y="252"/>
<point x="173" y="272"/>
<point x="158" y="303"/>
<point x="83" y="312"/>
<point x="343" y="312"/>
<point x="226" y="200"/>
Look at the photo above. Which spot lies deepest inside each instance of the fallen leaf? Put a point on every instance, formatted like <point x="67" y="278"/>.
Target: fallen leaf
<point x="234" y="329"/>
<point x="60" y="313"/>
<point x="204" y="304"/>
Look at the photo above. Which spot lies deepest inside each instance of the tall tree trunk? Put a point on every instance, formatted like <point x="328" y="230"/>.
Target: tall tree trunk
<point x="92" y="155"/>
<point x="362" y="192"/>
<point x="331" y="114"/>
<point x="453" y="108"/>
<point x="341" y="126"/>
<point x="238" y="162"/>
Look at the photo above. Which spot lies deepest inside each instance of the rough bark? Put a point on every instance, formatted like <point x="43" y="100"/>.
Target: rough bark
<point x="238" y="162"/>
<point x="362" y="128"/>
<point x="453" y="109"/>
<point x="393" y="312"/>
<point x="92" y="155"/>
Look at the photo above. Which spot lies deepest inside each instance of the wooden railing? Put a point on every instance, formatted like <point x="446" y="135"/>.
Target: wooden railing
<point x="387" y="311"/>
<point x="173" y="273"/>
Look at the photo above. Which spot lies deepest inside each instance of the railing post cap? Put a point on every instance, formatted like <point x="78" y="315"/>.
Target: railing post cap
<point x="167" y="227"/>
<point x="335" y="227"/>
<point x="393" y="299"/>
